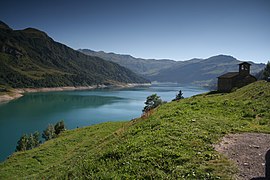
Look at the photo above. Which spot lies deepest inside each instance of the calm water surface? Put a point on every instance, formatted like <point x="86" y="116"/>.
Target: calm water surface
<point x="34" y="111"/>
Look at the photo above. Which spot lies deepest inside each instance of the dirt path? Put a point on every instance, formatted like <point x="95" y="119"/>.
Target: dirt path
<point x="248" y="151"/>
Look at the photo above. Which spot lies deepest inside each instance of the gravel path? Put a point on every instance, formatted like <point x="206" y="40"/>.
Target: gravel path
<point x="248" y="151"/>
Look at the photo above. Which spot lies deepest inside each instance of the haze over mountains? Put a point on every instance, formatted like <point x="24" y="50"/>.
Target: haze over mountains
<point x="137" y="65"/>
<point x="194" y="71"/>
<point x="30" y="58"/>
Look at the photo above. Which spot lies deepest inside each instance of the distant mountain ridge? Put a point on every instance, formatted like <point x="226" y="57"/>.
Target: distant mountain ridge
<point x="203" y="72"/>
<point x="137" y="65"/>
<point x="194" y="71"/>
<point x="30" y="58"/>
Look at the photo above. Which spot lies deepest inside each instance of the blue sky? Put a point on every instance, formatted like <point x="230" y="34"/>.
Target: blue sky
<point x="171" y="29"/>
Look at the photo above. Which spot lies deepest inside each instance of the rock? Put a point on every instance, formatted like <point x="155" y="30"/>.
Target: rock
<point x="254" y="146"/>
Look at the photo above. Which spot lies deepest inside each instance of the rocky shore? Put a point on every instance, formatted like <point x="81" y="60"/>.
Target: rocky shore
<point x="17" y="93"/>
<point x="9" y="96"/>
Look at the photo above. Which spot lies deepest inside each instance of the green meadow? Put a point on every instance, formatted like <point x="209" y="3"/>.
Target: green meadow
<point x="174" y="141"/>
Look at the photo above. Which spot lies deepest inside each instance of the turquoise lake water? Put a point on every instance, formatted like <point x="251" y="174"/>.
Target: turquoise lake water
<point x="34" y="111"/>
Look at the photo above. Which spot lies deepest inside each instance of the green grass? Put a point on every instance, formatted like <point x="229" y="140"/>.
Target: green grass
<point x="56" y="156"/>
<point x="174" y="142"/>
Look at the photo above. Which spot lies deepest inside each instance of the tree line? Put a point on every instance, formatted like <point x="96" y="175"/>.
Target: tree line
<point x="27" y="142"/>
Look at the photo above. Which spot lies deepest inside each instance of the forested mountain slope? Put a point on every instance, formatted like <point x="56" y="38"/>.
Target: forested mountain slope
<point x="30" y="58"/>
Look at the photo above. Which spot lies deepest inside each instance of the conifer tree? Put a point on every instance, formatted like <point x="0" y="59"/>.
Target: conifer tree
<point x="266" y="71"/>
<point x="179" y="96"/>
<point x="36" y="139"/>
<point x="59" y="127"/>
<point x="22" y="143"/>
<point x="49" y="133"/>
<point x="152" y="102"/>
<point x="30" y="142"/>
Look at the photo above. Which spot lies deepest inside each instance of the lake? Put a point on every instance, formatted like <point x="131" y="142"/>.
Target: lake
<point x="34" y="111"/>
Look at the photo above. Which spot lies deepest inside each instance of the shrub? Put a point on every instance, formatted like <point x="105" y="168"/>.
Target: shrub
<point x="53" y="130"/>
<point x="266" y="72"/>
<point x="59" y="127"/>
<point x="22" y="143"/>
<point x="48" y="133"/>
<point x="36" y="140"/>
<point x="28" y="142"/>
<point x="152" y="102"/>
<point x="31" y="141"/>
<point x="179" y="96"/>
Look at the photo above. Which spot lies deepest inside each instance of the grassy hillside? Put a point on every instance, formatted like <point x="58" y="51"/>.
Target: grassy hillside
<point x="174" y="142"/>
<point x="30" y="58"/>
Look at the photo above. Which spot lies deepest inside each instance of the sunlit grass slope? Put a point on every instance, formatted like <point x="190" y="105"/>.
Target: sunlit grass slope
<point x="174" y="142"/>
<point x="54" y="157"/>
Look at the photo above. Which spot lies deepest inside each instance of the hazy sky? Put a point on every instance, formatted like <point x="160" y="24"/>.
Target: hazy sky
<point x="174" y="29"/>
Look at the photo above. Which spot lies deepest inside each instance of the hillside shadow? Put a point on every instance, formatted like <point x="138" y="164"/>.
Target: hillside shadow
<point x="213" y="92"/>
<point x="267" y="168"/>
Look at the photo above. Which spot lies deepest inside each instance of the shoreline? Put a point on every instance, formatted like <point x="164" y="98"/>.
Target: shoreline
<point x="17" y="93"/>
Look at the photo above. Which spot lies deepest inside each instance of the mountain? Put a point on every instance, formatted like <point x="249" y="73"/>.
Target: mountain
<point x="203" y="72"/>
<point x="194" y="71"/>
<point x="137" y="65"/>
<point x="30" y="58"/>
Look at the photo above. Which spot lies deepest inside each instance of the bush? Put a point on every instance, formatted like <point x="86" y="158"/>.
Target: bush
<point x="22" y="143"/>
<point x="59" y="127"/>
<point x="48" y="133"/>
<point x="266" y="72"/>
<point x="179" y="96"/>
<point x="53" y="130"/>
<point x="36" y="141"/>
<point x="28" y="142"/>
<point x="152" y="102"/>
